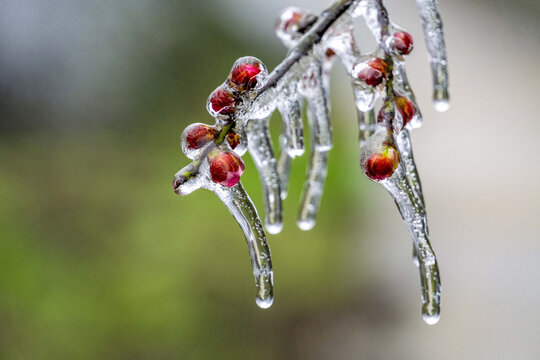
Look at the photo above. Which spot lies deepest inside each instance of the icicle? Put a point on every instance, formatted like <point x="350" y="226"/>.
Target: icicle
<point x="414" y="215"/>
<point x="407" y="158"/>
<point x="312" y="87"/>
<point x="313" y="187"/>
<point x="369" y="10"/>
<point x="284" y="167"/>
<point x="260" y="149"/>
<point x="290" y="109"/>
<point x="239" y="204"/>
<point x="434" y="36"/>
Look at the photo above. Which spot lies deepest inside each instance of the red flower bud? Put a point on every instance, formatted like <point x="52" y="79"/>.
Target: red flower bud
<point x="402" y="42"/>
<point x="233" y="139"/>
<point x="226" y="168"/>
<point x="222" y="102"/>
<point x="374" y="72"/>
<point x="379" y="156"/>
<point x="200" y="135"/>
<point x="244" y="76"/>
<point x="381" y="165"/>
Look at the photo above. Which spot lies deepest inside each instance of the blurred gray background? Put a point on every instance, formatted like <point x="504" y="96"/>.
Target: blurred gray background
<point x="99" y="259"/>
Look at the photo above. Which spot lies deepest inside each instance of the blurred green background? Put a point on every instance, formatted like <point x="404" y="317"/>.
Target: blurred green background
<point x="100" y="259"/>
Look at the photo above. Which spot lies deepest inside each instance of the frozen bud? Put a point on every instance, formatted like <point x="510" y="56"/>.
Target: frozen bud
<point x="225" y="168"/>
<point x="372" y="72"/>
<point x="292" y="23"/>
<point x="379" y="156"/>
<point x="233" y="139"/>
<point x="247" y="74"/>
<point x="221" y="102"/>
<point x="406" y="109"/>
<point x="198" y="135"/>
<point x="402" y="42"/>
<point x="195" y="137"/>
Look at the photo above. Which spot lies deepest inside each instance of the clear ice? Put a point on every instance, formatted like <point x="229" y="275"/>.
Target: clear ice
<point x="414" y="215"/>
<point x="290" y="108"/>
<point x="260" y="149"/>
<point x="434" y="37"/>
<point x="313" y="187"/>
<point x="284" y="167"/>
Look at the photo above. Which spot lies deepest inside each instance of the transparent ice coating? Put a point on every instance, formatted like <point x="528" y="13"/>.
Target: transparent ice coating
<point x="309" y="78"/>
<point x="291" y="23"/>
<point x="369" y="11"/>
<point x="260" y="108"/>
<point x="403" y="140"/>
<point x="184" y="186"/>
<point x="241" y="207"/>
<point x="284" y="167"/>
<point x="290" y="108"/>
<point x="414" y="216"/>
<point x="434" y="37"/>
<point x="364" y="95"/>
<point x="313" y="187"/>
<point x="316" y="95"/>
<point x="260" y="149"/>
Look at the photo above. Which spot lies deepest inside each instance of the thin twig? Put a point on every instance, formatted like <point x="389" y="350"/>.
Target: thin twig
<point x="306" y="42"/>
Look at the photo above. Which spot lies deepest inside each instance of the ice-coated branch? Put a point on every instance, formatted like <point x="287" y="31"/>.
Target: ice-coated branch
<point x="387" y="112"/>
<point x="391" y="163"/>
<point x="306" y="43"/>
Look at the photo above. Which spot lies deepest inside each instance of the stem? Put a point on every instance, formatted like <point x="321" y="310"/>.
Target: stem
<point x="305" y="44"/>
<point x="384" y="22"/>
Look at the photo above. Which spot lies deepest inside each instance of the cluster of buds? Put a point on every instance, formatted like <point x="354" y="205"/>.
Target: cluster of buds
<point x="222" y="144"/>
